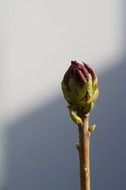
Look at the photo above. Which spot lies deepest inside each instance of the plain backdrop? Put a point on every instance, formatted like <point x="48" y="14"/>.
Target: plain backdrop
<point x="37" y="138"/>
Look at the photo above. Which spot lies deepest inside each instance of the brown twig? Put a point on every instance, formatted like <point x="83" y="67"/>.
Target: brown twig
<point x="84" y="153"/>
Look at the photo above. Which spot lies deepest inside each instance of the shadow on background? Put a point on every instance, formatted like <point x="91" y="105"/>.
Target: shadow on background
<point x="41" y="145"/>
<point x="41" y="150"/>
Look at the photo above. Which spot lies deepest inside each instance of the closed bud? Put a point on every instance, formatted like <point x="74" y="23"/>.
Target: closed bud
<point x="80" y="87"/>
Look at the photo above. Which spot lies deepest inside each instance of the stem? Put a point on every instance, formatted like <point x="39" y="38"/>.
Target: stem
<point x="84" y="154"/>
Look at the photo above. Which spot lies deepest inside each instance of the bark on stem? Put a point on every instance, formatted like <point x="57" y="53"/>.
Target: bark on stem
<point x="84" y="154"/>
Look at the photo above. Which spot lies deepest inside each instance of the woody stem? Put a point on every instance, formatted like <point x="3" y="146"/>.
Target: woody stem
<point x="84" y="154"/>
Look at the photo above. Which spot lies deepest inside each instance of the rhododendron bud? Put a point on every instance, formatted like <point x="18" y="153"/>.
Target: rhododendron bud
<point x="80" y="87"/>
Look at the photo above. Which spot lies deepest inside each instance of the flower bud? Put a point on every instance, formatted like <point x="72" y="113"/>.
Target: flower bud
<point x="80" y="87"/>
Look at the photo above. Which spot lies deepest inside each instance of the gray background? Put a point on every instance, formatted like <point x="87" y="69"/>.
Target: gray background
<point x="37" y="137"/>
<point x="41" y="145"/>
